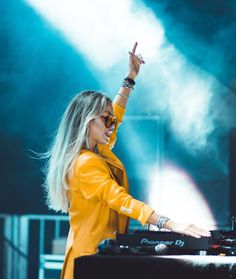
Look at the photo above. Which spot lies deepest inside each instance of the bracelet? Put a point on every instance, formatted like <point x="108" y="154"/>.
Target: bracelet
<point x="161" y="222"/>
<point x="128" y="83"/>
<point x="123" y="95"/>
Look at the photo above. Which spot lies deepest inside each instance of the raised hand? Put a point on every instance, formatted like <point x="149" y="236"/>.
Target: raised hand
<point x="135" y="62"/>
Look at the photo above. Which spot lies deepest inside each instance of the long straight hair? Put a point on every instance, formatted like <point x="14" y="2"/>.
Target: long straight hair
<point x="71" y="137"/>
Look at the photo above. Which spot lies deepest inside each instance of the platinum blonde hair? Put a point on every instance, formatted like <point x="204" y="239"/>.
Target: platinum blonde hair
<point x="71" y="137"/>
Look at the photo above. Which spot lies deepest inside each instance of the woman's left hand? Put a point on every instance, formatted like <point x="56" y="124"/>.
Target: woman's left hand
<point x="135" y="62"/>
<point x="187" y="229"/>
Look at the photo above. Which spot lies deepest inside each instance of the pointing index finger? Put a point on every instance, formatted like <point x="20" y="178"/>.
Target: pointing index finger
<point x="134" y="48"/>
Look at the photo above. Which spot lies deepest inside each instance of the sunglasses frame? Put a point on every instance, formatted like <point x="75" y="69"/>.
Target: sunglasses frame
<point x="109" y="120"/>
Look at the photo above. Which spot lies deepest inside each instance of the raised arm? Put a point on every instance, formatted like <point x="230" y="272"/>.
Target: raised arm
<point x="121" y="99"/>
<point x="135" y="61"/>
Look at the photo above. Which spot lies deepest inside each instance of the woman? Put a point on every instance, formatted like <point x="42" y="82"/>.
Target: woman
<point x="87" y="180"/>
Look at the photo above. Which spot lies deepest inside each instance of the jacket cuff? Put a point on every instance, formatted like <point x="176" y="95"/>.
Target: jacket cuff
<point x="145" y="212"/>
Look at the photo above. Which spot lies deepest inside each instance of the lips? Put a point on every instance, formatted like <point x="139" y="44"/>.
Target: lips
<point x="108" y="134"/>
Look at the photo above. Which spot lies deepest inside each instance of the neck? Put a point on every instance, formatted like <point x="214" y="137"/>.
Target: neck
<point x="91" y="148"/>
<point x="95" y="150"/>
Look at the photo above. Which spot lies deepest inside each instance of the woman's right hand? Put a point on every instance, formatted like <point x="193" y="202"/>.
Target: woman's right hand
<point x="187" y="229"/>
<point x="135" y="62"/>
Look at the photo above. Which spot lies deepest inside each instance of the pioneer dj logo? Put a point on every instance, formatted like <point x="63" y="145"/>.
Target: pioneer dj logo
<point x="177" y="242"/>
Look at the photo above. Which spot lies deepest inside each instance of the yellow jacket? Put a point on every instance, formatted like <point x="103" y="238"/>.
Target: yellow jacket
<point x="100" y="204"/>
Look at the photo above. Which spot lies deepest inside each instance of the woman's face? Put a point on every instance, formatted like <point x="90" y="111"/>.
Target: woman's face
<point x="98" y="132"/>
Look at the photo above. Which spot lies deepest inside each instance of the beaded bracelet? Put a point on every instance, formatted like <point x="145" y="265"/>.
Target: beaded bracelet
<point x="128" y="83"/>
<point x="161" y="222"/>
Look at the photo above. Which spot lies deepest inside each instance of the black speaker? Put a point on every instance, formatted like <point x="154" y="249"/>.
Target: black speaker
<point x="232" y="172"/>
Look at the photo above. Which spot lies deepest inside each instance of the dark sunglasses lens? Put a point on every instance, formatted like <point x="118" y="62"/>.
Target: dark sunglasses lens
<point x="109" y="121"/>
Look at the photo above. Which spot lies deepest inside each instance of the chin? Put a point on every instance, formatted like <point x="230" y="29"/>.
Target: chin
<point x="103" y="142"/>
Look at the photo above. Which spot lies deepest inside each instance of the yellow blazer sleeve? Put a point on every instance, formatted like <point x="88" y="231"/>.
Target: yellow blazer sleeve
<point x="96" y="184"/>
<point x="119" y="112"/>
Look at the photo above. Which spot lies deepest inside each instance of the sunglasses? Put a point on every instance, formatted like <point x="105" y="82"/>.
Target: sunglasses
<point x="109" y="120"/>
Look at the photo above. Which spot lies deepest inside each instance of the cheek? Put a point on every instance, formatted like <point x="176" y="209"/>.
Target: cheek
<point x="97" y="128"/>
